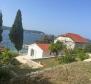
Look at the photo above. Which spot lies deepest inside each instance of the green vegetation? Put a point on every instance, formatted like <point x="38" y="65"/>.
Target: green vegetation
<point x="81" y="54"/>
<point x="1" y="30"/>
<point x="46" y="39"/>
<point x="68" y="58"/>
<point x="88" y="48"/>
<point x="77" y="54"/>
<point x="6" y="56"/>
<point x="68" y="55"/>
<point x="5" y="73"/>
<point x="9" y="72"/>
<point x="57" y="47"/>
<point x="16" y="32"/>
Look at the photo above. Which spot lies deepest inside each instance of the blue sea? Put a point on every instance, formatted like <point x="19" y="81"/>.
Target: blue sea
<point x="29" y="38"/>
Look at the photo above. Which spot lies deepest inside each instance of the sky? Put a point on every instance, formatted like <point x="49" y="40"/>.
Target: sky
<point x="50" y="16"/>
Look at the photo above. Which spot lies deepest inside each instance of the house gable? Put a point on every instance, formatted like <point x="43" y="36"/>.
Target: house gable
<point x="37" y="51"/>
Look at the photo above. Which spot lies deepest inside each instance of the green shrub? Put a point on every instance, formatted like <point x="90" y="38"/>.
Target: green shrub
<point x="82" y="56"/>
<point x="5" y="74"/>
<point x="57" y="47"/>
<point x="6" y="55"/>
<point x="73" y="55"/>
<point x="67" y="59"/>
<point x="88" y="48"/>
<point x="15" y="62"/>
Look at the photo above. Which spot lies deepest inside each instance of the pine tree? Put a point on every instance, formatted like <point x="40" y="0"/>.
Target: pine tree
<point x="1" y="30"/>
<point x="16" y="32"/>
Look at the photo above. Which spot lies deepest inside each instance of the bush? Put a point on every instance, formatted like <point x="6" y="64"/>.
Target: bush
<point x="15" y="62"/>
<point x="6" y="55"/>
<point x="5" y="74"/>
<point x="67" y="59"/>
<point x="57" y="47"/>
<point x="73" y="55"/>
<point x="88" y="48"/>
<point x="81" y="54"/>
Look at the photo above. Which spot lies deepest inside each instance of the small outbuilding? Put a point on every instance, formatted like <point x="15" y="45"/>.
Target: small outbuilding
<point x="38" y="50"/>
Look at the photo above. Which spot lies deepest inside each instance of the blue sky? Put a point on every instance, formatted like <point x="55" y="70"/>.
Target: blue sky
<point x="50" y="16"/>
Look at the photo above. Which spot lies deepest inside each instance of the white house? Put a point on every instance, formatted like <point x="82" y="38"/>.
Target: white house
<point x="66" y="40"/>
<point x="72" y="40"/>
<point x="36" y="51"/>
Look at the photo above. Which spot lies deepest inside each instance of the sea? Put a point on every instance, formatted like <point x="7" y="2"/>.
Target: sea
<point x="29" y="38"/>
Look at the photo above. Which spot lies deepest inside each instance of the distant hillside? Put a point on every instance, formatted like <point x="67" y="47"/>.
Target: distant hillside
<point x="35" y="31"/>
<point x="32" y="31"/>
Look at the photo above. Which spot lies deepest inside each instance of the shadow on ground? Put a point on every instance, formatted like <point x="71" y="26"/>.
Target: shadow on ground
<point x="31" y="80"/>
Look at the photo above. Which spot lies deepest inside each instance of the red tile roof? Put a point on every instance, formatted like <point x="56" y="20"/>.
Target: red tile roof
<point x="75" y="37"/>
<point x="44" y="47"/>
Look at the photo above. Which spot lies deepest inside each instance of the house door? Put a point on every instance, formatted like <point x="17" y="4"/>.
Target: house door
<point x="32" y="52"/>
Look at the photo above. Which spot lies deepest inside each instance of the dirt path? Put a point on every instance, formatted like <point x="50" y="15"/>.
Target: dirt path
<point x="27" y="60"/>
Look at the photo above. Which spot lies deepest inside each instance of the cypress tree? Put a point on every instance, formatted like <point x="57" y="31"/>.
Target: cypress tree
<point x="1" y="30"/>
<point x="16" y="32"/>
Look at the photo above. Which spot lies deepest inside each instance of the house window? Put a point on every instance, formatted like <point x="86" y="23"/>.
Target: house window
<point x="32" y="52"/>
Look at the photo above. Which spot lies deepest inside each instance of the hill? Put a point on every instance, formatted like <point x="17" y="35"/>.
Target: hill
<point x="74" y="73"/>
<point x="32" y="31"/>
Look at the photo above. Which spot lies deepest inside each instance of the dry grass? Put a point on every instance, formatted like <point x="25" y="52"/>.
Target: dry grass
<point x="48" y="62"/>
<point x="73" y="73"/>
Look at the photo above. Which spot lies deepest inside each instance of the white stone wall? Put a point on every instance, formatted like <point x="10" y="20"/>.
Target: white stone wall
<point x="38" y="52"/>
<point x="67" y="41"/>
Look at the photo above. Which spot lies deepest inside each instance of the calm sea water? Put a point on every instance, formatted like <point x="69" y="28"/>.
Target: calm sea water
<point x="29" y="38"/>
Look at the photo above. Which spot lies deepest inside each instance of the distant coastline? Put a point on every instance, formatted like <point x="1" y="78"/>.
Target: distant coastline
<point x="32" y="31"/>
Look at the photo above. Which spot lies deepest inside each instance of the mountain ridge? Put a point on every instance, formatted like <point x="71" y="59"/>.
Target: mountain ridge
<point x="32" y="31"/>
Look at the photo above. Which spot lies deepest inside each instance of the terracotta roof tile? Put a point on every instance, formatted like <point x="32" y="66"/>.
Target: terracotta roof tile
<point x="44" y="47"/>
<point x="75" y="37"/>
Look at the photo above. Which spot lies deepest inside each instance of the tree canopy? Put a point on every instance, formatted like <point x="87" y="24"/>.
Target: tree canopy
<point x="16" y="32"/>
<point x="1" y="23"/>
<point x="47" y="39"/>
<point x="56" y="47"/>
